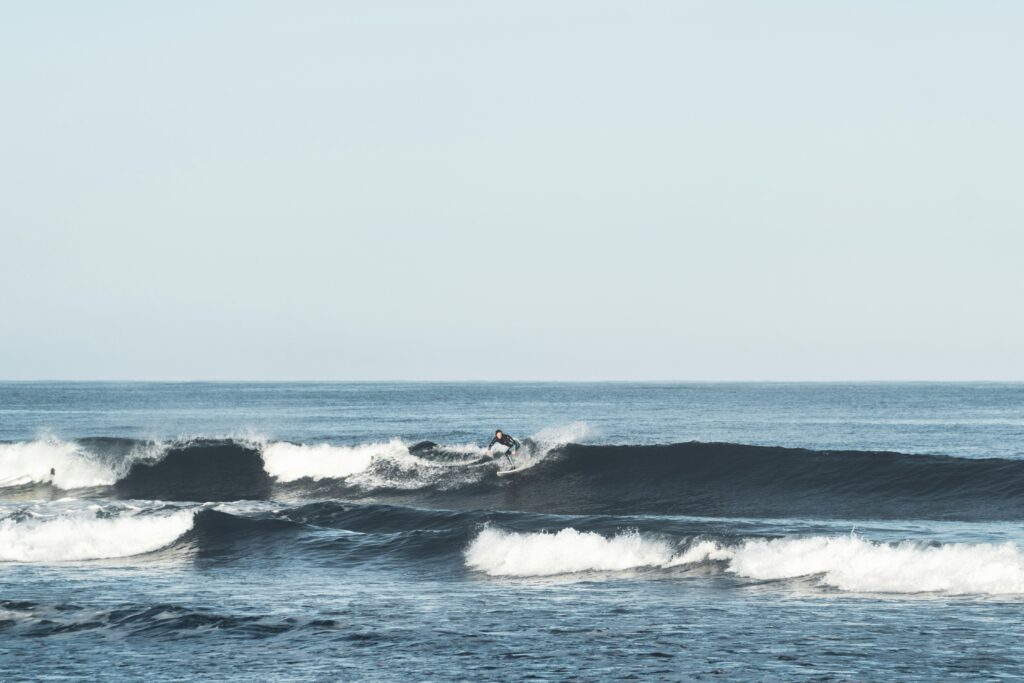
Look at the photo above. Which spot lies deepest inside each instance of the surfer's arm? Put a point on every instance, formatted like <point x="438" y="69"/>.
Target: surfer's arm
<point x="488" y="447"/>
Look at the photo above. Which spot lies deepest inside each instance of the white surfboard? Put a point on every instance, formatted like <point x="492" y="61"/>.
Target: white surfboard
<point x="505" y="473"/>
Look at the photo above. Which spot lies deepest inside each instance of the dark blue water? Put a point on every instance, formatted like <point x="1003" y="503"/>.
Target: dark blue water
<point x="657" y="531"/>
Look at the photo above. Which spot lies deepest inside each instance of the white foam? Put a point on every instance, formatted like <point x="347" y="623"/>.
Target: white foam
<point x="503" y="553"/>
<point x="848" y="563"/>
<point x="88" y="537"/>
<point x="851" y="563"/>
<point x="290" y="462"/>
<point x="387" y="465"/>
<point x="28" y="462"/>
<point x="465" y="449"/>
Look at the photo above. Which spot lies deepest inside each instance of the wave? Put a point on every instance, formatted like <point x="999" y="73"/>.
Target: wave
<point x="73" y="466"/>
<point x="288" y="462"/>
<point x="503" y="553"/>
<point x="846" y="563"/>
<point x="713" y="479"/>
<point x="199" y="470"/>
<point x="88" y="535"/>
<point x="505" y="544"/>
<point x="36" y="619"/>
<point x="709" y="479"/>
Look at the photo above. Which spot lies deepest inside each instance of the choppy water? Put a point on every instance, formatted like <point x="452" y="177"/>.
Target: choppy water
<point x="660" y="531"/>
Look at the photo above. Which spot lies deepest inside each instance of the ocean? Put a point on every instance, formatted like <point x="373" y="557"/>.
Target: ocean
<point x="659" y="531"/>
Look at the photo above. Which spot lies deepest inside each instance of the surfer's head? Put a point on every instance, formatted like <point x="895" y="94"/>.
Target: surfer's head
<point x="497" y="433"/>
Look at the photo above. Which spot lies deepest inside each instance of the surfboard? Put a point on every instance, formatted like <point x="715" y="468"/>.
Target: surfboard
<point x="515" y="470"/>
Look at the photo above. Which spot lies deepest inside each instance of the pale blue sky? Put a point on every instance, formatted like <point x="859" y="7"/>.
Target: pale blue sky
<point x="528" y="190"/>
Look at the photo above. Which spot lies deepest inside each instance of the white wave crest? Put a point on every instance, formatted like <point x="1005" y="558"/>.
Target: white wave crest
<point x="851" y="563"/>
<point x="504" y="553"/>
<point x="848" y="563"/>
<point x="372" y="466"/>
<point x="28" y="462"/>
<point x="290" y="462"/>
<point x="88" y="537"/>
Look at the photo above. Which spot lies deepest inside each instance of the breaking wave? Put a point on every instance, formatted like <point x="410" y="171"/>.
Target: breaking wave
<point x="502" y="553"/>
<point x="559" y="476"/>
<point x="505" y="544"/>
<point x="288" y="462"/>
<point x="30" y="462"/>
<point x="847" y="563"/>
<point x="88" y="536"/>
<point x="851" y="563"/>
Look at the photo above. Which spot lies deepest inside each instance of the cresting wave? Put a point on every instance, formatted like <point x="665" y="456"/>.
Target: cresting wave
<point x="847" y="563"/>
<point x="523" y="546"/>
<point x="30" y="462"/>
<point x="88" y="535"/>
<point x="208" y="469"/>
<point x="566" y="478"/>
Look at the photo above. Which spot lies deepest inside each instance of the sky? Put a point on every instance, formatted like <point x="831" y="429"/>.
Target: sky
<point x="589" y="190"/>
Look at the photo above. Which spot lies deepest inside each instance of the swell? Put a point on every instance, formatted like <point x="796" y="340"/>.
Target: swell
<point x="161" y="620"/>
<point x="755" y="481"/>
<point x="496" y="544"/>
<point x="730" y="480"/>
<point x="705" y="479"/>
<point x="848" y="563"/>
<point x="523" y="545"/>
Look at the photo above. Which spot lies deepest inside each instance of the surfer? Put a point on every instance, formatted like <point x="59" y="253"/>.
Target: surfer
<point x="505" y="440"/>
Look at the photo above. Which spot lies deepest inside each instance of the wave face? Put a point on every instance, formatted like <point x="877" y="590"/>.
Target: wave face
<point x="162" y="620"/>
<point x="199" y="471"/>
<point x="680" y="479"/>
<point x="747" y="481"/>
<point x="730" y="479"/>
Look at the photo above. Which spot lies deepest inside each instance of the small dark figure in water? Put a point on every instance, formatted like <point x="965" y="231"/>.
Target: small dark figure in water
<point x="53" y="471"/>
<point x="505" y="440"/>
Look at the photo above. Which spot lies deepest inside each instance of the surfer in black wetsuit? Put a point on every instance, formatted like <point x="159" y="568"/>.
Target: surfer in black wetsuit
<point x="505" y="440"/>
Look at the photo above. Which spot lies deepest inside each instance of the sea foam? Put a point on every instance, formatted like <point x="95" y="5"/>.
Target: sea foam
<point x="851" y="563"/>
<point x="30" y="462"/>
<point x="85" y="536"/>
<point x="504" y="553"/>
<point x="290" y="462"/>
<point x="848" y="563"/>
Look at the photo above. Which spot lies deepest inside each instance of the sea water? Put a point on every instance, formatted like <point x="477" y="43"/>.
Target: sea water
<point x="359" y="531"/>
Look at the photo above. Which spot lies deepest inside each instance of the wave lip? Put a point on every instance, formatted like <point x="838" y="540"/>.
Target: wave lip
<point x="72" y="537"/>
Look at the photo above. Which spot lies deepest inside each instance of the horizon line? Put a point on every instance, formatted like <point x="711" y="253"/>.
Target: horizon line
<point x="509" y="381"/>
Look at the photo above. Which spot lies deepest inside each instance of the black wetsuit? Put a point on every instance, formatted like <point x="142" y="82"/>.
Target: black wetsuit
<point x="505" y="440"/>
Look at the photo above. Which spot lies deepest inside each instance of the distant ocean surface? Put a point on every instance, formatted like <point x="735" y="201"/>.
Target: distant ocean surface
<point x="359" y="531"/>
